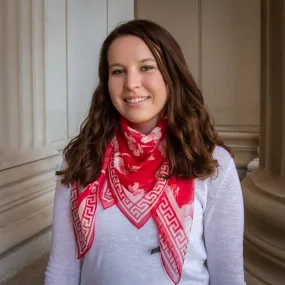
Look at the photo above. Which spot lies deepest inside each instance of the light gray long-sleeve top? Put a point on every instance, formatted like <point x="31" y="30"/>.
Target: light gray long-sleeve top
<point x="120" y="254"/>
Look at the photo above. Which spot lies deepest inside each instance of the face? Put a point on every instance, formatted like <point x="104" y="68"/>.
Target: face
<point x="136" y="85"/>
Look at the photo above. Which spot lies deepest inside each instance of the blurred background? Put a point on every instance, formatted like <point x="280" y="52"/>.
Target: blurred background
<point x="48" y="70"/>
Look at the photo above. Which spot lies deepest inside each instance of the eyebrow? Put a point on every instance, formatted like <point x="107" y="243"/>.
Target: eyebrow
<point x="140" y="61"/>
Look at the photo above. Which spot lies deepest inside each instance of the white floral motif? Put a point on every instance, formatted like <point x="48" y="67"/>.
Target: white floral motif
<point x="116" y="145"/>
<point x="161" y="148"/>
<point x="119" y="164"/>
<point x="151" y="157"/>
<point x="155" y="135"/>
<point x="134" y="168"/>
<point x="176" y="191"/>
<point x="134" y="146"/>
<point x="135" y="188"/>
<point x="188" y="211"/>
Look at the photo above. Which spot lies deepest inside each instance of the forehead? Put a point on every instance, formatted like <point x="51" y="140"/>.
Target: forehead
<point x="128" y="48"/>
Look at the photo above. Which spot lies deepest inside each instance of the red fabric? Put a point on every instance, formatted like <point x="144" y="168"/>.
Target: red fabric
<point x="131" y="178"/>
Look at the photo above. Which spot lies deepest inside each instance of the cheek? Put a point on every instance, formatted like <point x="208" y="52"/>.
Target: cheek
<point x="114" y="89"/>
<point x="159" y="87"/>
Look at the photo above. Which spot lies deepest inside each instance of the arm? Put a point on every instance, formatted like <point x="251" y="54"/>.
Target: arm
<point x="63" y="266"/>
<point x="223" y="228"/>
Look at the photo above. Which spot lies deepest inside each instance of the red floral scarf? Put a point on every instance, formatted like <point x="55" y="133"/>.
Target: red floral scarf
<point x="131" y="179"/>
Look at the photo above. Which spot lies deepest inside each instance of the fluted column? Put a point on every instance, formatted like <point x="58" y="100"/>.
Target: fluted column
<point x="27" y="161"/>
<point x="264" y="189"/>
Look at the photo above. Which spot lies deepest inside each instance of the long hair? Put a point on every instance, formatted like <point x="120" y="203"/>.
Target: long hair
<point x="190" y="137"/>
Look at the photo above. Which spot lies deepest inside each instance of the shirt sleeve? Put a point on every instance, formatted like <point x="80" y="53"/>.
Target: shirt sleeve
<point x="223" y="230"/>
<point x="63" y="267"/>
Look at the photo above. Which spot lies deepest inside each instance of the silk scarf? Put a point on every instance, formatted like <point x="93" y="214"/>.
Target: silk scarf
<point x="132" y="177"/>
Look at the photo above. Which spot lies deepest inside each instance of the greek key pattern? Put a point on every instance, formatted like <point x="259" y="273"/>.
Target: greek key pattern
<point x="106" y="196"/>
<point x="138" y="211"/>
<point x="169" y="261"/>
<point x="83" y="222"/>
<point x="173" y="239"/>
<point x="174" y="229"/>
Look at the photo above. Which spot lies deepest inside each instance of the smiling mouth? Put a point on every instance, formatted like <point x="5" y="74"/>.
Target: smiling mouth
<point x="136" y="100"/>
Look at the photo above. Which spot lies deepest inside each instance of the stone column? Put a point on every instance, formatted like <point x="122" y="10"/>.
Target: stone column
<point x="264" y="189"/>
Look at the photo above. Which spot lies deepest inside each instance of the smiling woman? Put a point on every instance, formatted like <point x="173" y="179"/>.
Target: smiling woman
<point x="136" y="85"/>
<point x="150" y="169"/>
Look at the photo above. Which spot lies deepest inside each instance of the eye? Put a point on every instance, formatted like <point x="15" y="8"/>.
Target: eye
<point x="117" y="72"/>
<point x="147" y="67"/>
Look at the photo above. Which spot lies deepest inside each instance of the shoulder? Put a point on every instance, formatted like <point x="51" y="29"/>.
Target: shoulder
<point x="223" y="157"/>
<point x="225" y="178"/>
<point x="226" y="164"/>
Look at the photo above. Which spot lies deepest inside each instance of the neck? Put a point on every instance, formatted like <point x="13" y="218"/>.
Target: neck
<point x="144" y="128"/>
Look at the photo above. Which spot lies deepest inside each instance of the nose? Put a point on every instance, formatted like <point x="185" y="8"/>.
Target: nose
<point x="132" y="80"/>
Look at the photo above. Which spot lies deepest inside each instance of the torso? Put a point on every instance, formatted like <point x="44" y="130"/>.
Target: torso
<point x="121" y="254"/>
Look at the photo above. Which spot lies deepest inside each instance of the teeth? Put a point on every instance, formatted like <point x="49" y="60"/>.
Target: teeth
<point x="136" y="100"/>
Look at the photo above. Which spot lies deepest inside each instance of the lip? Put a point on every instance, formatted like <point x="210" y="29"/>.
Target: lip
<point x="135" y="97"/>
<point x="134" y="104"/>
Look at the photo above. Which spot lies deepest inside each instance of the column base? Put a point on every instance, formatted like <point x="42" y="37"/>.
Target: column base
<point x="264" y="237"/>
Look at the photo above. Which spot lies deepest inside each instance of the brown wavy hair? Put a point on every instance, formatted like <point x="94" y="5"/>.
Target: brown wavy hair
<point x="190" y="138"/>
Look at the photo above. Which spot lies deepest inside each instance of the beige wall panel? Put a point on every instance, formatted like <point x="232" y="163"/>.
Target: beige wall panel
<point x="11" y="76"/>
<point x="38" y="76"/>
<point x="231" y="60"/>
<point x="181" y="19"/>
<point x="25" y="74"/>
<point x="83" y="56"/>
<point x="221" y="42"/>
<point x="55" y="70"/>
<point x="3" y="137"/>
<point x="118" y="12"/>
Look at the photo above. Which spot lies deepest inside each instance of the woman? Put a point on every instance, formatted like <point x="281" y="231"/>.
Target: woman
<point x="149" y="194"/>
